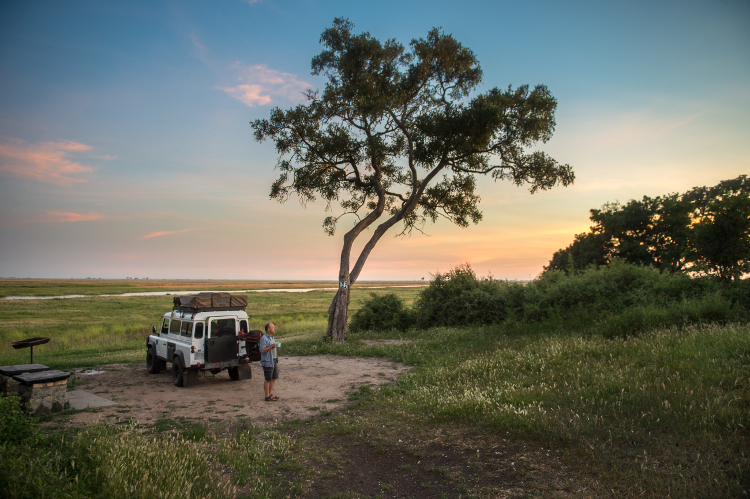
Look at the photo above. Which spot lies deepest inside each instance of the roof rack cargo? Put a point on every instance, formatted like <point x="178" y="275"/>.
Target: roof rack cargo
<point x="211" y="301"/>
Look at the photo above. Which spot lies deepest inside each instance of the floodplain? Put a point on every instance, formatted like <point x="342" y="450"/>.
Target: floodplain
<point x="509" y="410"/>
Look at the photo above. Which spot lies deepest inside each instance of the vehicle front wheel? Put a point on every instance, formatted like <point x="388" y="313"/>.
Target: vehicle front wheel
<point x="152" y="363"/>
<point x="234" y="373"/>
<point x="177" y="372"/>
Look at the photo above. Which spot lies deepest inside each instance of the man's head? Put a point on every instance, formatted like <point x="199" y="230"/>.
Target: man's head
<point x="270" y="328"/>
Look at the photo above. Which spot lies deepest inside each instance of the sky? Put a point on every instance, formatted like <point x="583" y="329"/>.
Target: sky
<point x="126" y="149"/>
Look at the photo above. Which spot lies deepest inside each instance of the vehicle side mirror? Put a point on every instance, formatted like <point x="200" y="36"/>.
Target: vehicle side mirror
<point x="153" y="329"/>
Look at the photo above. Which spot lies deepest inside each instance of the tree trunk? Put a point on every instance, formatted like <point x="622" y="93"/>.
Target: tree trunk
<point x="338" y="314"/>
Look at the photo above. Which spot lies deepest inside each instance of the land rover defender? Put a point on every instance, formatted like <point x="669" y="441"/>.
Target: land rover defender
<point x="204" y="332"/>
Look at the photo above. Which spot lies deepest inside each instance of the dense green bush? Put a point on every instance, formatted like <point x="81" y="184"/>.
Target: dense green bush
<point x="458" y="298"/>
<point x="15" y="425"/>
<point x="382" y="313"/>
<point x="620" y="299"/>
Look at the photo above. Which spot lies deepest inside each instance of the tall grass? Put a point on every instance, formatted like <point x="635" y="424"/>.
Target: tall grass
<point x="666" y="413"/>
<point x="132" y="461"/>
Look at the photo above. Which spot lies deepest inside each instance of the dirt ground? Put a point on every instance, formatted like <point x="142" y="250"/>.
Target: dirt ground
<point x="306" y="385"/>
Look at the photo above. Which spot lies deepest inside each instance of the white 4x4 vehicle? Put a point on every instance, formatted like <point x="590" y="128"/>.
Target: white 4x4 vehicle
<point x="203" y="333"/>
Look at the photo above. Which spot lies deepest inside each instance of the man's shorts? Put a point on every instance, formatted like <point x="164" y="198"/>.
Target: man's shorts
<point x="271" y="372"/>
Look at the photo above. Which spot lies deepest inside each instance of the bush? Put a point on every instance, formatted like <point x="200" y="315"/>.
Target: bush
<point x="381" y="313"/>
<point x="458" y="298"/>
<point x="15" y="425"/>
<point x="618" y="300"/>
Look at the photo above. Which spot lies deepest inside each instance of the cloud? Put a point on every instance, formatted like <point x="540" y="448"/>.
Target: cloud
<point x="65" y="216"/>
<point x="165" y="233"/>
<point x="260" y="85"/>
<point x="42" y="161"/>
<point x="60" y="216"/>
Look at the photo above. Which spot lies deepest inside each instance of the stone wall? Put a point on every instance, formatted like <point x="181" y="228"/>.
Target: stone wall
<point x="8" y="386"/>
<point x="44" y="398"/>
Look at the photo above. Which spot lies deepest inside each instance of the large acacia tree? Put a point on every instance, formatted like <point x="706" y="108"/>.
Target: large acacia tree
<point x="396" y="138"/>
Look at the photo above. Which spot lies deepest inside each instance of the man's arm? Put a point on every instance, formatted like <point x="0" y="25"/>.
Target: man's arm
<point x="265" y="339"/>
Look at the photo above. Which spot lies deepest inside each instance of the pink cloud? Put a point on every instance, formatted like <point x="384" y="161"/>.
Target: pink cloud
<point x="260" y="85"/>
<point x="65" y="216"/>
<point x="165" y="233"/>
<point x="60" y="216"/>
<point x="43" y="161"/>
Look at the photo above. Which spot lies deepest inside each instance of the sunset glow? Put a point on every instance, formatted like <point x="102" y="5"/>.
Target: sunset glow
<point x="126" y="149"/>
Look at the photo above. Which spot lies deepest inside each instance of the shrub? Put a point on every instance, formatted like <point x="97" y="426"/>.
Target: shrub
<point x="382" y="313"/>
<point x="458" y="298"/>
<point x="618" y="300"/>
<point x="15" y="425"/>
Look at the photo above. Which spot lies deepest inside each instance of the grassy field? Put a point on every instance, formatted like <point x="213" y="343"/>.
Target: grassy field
<point x="512" y="409"/>
<point x="87" y="332"/>
<point x="60" y="287"/>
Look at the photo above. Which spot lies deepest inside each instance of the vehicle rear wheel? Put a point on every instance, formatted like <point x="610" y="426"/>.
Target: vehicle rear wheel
<point x="152" y="363"/>
<point x="177" y="372"/>
<point x="234" y="373"/>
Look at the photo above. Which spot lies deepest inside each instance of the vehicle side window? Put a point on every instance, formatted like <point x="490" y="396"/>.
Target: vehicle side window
<point x="199" y="331"/>
<point x="187" y="329"/>
<point x="165" y="326"/>
<point x="243" y="326"/>
<point x="174" y="328"/>
<point x="223" y="327"/>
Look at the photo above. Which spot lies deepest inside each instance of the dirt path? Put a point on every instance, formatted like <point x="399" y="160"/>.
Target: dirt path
<point x="306" y="385"/>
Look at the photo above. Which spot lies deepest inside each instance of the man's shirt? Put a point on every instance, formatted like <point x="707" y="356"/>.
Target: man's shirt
<point x="266" y="358"/>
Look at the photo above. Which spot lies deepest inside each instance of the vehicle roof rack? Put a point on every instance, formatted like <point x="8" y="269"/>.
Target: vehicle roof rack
<point x="210" y="301"/>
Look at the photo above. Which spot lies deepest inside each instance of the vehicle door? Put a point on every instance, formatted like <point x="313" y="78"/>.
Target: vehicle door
<point x="161" y="344"/>
<point x="174" y="335"/>
<point x="245" y="330"/>
<point x="222" y="344"/>
<point x="198" y="343"/>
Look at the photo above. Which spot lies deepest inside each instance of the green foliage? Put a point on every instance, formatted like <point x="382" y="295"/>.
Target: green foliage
<point x="620" y="299"/>
<point x="705" y="230"/>
<point x="585" y="250"/>
<point x="396" y="138"/>
<point x="15" y="425"/>
<point x="721" y="241"/>
<point x="381" y="312"/>
<point x="457" y="298"/>
<point x="386" y="113"/>
<point x="127" y="461"/>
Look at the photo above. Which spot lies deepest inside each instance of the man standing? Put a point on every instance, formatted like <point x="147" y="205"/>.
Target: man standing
<point x="269" y="362"/>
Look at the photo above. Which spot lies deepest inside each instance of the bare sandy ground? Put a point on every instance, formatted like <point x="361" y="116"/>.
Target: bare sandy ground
<point x="306" y="385"/>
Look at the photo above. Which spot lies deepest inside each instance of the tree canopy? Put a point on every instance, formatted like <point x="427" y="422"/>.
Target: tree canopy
<point x="705" y="230"/>
<point x="395" y="134"/>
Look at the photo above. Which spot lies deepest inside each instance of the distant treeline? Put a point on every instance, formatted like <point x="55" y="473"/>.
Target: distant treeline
<point x="705" y="231"/>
